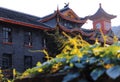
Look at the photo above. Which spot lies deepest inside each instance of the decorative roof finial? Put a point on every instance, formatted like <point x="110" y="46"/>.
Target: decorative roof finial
<point x="57" y="7"/>
<point x="100" y="5"/>
<point x="66" y="4"/>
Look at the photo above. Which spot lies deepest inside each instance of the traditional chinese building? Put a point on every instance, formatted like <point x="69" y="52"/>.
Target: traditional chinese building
<point x="67" y="20"/>
<point x="20" y="33"/>
<point x="102" y="21"/>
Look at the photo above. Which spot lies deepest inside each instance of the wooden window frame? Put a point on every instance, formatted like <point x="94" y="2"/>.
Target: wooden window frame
<point x="6" y="61"/>
<point x="7" y="35"/>
<point x="27" y="60"/>
<point x="28" y="39"/>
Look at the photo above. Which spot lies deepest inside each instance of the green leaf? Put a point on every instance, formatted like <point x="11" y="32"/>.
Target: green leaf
<point x="63" y="60"/>
<point x="92" y="60"/>
<point x="70" y="76"/>
<point x="100" y="64"/>
<point x="74" y="59"/>
<point x="66" y="68"/>
<point x="106" y="60"/>
<point x="116" y="44"/>
<point x="96" y="73"/>
<point x="114" y="72"/>
<point x="60" y="60"/>
<point x="84" y="58"/>
<point x="95" y="45"/>
<point x="79" y="65"/>
<point x="38" y="64"/>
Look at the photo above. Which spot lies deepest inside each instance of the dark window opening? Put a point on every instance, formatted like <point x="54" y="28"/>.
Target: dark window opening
<point x="27" y="62"/>
<point x="6" y="61"/>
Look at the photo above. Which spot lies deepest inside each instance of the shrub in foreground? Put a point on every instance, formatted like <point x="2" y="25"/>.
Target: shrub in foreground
<point x="79" y="62"/>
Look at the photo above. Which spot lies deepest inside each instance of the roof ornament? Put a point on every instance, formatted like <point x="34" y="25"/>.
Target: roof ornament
<point x="66" y="5"/>
<point x="100" y="5"/>
<point x="57" y="7"/>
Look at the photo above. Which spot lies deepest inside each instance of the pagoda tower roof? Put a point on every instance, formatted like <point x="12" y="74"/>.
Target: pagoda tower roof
<point x="101" y="13"/>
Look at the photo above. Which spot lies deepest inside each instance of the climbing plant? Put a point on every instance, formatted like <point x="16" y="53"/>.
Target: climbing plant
<point x="80" y="61"/>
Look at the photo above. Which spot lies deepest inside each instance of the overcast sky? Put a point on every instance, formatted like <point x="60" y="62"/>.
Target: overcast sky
<point x="81" y="7"/>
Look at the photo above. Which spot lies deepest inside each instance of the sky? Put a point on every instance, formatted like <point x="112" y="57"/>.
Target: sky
<point x="82" y="8"/>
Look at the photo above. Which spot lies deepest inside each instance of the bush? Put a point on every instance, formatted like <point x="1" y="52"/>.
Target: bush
<point x="81" y="62"/>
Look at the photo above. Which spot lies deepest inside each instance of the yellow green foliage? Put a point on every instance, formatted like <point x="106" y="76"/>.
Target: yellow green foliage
<point x="80" y="55"/>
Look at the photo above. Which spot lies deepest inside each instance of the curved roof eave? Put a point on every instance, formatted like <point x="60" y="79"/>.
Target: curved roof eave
<point x="101" y="13"/>
<point x="24" y="24"/>
<point x="75" y="30"/>
<point x="62" y="16"/>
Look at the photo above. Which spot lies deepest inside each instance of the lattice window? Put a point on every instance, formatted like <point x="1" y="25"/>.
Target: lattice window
<point x="7" y="34"/>
<point x="28" y="38"/>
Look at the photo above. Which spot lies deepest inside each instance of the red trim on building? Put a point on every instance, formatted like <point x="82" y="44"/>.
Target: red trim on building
<point x="7" y="43"/>
<point x="23" y="24"/>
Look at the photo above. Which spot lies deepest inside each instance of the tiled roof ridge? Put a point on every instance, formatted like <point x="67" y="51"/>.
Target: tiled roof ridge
<point x="18" y="12"/>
